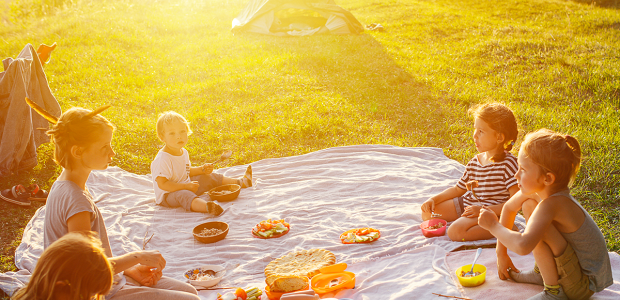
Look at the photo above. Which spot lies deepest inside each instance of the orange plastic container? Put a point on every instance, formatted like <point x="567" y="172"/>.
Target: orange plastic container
<point x="332" y="278"/>
<point x="276" y="295"/>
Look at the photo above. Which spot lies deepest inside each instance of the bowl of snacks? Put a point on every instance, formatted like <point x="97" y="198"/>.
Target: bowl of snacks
<point x="271" y="229"/>
<point x="433" y="227"/>
<point x="204" y="276"/>
<point x="475" y="279"/>
<point x="227" y="192"/>
<point x="210" y="232"/>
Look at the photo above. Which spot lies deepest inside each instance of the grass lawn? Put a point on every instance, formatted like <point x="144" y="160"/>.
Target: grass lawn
<point x="555" y="63"/>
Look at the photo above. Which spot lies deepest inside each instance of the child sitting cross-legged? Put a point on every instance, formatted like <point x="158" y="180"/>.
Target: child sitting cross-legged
<point x="569" y="249"/>
<point x="175" y="181"/>
<point x="495" y="131"/>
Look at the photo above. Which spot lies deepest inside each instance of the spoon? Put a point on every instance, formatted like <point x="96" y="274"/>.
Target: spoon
<point x="471" y="272"/>
<point x="225" y="155"/>
<point x="215" y="274"/>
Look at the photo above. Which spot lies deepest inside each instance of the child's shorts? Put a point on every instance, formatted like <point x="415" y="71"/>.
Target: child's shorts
<point x="184" y="198"/>
<point x="574" y="282"/>
<point x="458" y="205"/>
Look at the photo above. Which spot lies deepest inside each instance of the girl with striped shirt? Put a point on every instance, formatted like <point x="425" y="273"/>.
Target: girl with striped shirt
<point x="488" y="179"/>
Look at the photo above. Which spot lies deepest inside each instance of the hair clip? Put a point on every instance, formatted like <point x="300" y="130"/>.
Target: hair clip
<point x="512" y="143"/>
<point x="42" y="112"/>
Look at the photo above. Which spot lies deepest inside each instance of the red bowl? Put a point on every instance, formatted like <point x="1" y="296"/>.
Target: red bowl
<point x="433" y="232"/>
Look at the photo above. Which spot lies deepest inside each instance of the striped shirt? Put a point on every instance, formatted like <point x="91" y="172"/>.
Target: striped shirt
<point x="494" y="180"/>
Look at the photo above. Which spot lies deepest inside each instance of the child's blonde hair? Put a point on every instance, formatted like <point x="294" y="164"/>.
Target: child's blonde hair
<point x="78" y="127"/>
<point x="166" y="118"/>
<point x="553" y="152"/>
<point x="78" y="261"/>
<point x="501" y="119"/>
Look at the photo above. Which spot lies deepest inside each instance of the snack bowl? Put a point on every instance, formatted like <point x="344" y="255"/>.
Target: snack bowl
<point x="471" y="281"/>
<point x="433" y="232"/>
<point x="210" y="225"/>
<point x="234" y="190"/>
<point x="276" y="295"/>
<point x="201" y="271"/>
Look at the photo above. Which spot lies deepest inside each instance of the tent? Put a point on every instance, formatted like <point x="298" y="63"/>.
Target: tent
<point x="295" y="18"/>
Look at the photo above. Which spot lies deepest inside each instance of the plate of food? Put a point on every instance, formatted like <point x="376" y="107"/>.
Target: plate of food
<point x="205" y="276"/>
<point x="360" y="235"/>
<point x="271" y="229"/>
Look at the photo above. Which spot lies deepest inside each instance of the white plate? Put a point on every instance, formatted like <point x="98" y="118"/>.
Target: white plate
<point x="205" y="283"/>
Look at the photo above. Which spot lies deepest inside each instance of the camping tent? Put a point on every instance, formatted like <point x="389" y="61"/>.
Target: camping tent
<point x="296" y="18"/>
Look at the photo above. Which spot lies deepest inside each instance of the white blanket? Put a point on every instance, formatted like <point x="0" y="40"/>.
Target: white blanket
<point x="321" y="194"/>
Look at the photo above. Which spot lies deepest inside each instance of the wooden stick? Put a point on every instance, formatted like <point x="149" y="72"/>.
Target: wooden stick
<point x="145" y="241"/>
<point x="455" y="297"/>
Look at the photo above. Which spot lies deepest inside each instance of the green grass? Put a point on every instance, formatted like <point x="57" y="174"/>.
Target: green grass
<point x="556" y="63"/>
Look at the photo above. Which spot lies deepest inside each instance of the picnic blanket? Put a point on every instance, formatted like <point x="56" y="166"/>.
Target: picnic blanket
<point x="321" y="194"/>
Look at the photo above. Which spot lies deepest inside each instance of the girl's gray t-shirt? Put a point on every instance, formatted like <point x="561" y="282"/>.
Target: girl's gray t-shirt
<point x="64" y="201"/>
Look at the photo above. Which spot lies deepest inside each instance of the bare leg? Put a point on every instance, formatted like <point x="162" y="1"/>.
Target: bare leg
<point x="467" y="229"/>
<point x="446" y="209"/>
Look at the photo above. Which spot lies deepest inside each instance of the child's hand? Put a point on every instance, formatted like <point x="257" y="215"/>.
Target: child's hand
<point x="152" y="259"/>
<point x="471" y="211"/>
<point x="207" y="168"/>
<point x="193" y="186"/>
<point x="144" y="275"/>
<point x="487" y="218"/>
<point x="504" y="263"/>
<point x="428" y="206"/>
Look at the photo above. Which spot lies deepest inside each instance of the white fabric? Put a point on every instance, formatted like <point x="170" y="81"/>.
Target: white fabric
<point x="172" y="167"/>
<point x="321" y="194"/>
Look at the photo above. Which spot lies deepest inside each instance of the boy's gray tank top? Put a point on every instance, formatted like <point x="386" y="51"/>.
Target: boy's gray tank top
<point x="590" y="248"/>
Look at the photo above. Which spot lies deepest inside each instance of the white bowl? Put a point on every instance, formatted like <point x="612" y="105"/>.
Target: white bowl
<point x="205" y="283"/>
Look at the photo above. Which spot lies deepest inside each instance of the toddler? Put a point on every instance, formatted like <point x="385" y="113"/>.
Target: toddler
<point x="175" y="181"/>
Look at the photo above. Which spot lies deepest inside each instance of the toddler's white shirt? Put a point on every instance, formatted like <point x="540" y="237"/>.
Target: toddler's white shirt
<point x="174" y="168"/>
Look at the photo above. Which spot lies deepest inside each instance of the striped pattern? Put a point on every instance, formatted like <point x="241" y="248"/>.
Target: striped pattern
<point x="494" y="180"/>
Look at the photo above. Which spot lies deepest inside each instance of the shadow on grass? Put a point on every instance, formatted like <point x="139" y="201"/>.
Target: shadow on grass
<point x="359" y="69"/>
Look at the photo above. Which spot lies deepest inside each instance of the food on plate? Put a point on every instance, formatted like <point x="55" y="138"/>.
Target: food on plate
<point x="252" y="293"/>
<point x="284" y="284"/>
<point x="360" y="235"/>
<point x="470" y="275"/>
<point x="209" y="232"/>
<point x="200" y="275"/>
<point x="271" y="228"/>
<point x="436" y="226"/>
<point x="303" y="263"/>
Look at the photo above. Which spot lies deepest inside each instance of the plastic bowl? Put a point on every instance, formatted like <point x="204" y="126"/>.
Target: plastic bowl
<point x="234" y="188"/>
<point x="433" y="232"/>
<point x="204" y="283"/>
<point x="214" y="238"/>
<point x="472" y="281"/>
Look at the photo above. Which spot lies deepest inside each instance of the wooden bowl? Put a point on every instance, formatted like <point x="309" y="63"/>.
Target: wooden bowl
<point x="233" y="188"/>
<point x="214" y="238"/>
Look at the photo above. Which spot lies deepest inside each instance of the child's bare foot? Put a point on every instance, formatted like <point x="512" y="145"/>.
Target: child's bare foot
<point x="214" y="208"/>
<point x="246" y="181"/>
<point x="532" y="276"/>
